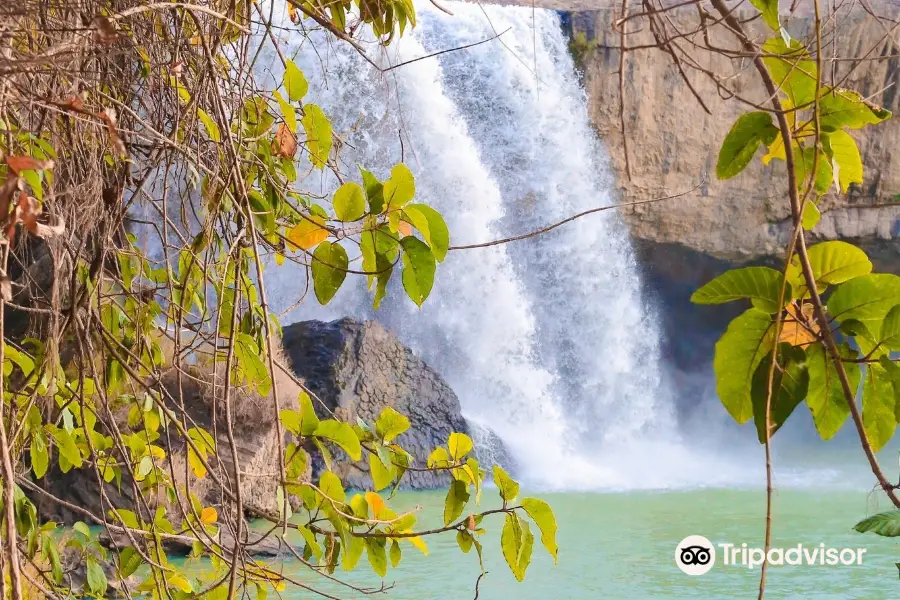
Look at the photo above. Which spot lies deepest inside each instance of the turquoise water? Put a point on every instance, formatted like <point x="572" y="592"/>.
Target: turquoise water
<point x="621" y="546"/>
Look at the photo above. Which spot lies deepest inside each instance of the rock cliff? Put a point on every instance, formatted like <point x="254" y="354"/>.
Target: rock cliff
<point x="674" y="142"/>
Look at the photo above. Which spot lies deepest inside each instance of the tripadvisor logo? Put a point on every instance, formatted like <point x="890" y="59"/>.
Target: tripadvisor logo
<point x="696" y="555"/>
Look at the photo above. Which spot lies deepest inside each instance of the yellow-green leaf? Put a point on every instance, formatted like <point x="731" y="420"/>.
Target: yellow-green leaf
<point x="400" y="188"/>
<point x="390" y="424"/>
<point x="295" y="83"/>
<point x="382" y="475"/>
<point x="349" y="202"/>
<point x="845" y="156"/>
<point x="542" y="515"/>
<point x="761" y="285"/>
<point x="341" y="434"/>
<point x="211" y="128"/>
<point x="459" y="445"/>
<point x="431" y="225"/>
<point x="457" y="497"/>
<point x="318" y="135"/>
<point x="507" y="487"/>
<point x="769" y="10"/>
<point x="516" y="541"/>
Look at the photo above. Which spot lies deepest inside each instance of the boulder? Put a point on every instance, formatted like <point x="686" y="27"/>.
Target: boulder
<point x="358" y="368"/>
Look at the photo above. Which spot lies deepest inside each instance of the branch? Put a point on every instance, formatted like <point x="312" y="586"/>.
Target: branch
<point x="574" y="217"/>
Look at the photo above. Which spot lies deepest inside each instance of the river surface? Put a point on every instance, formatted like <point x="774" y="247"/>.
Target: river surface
<point x="622" y="545"/>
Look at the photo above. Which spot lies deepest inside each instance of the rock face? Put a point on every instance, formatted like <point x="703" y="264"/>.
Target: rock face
<point x="673" y="142"/>
<point x="357" y="369"/>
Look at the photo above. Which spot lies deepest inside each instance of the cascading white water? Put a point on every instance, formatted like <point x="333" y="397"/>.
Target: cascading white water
<point x="547" y="342"/>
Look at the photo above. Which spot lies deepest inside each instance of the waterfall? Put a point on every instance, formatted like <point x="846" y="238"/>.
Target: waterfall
<point x="547" y="341"/>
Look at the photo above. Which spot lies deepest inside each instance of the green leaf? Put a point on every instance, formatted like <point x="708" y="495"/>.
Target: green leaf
<point x="331" y="486"/>
<point x="341" y="434"/>
<point x="287" y="111"/>
<point x="418" y="269"/>
<point x="789" y="386"/>
<point x="318" y="135"/>
<point x="464" y="540"/>
<point x="295" y="83"/>
<point x="886" y="524"/>
<point x="382" y="475"/>
<point x="457" y="497"/>
<point x="459" y="444"/>
<point x="811" y="216"/>
<point x="516" y="541"/>
<point x="890" y="329"/>
<point x="377" y="555"/>
<point x="879" y="406"/>
<point x="40" y="458"/>
<point x="742" y="141"/>
<point x="844" y="108"/>
<point x="353" y="549"/>
<point x="374" y="191"/>
<point x="825" y="397"/>
<point x="304" y="422"/>
<point x="761" y="284"/>
<point x="438" y="458"/>
<point x="296" y="462"/>
<point x="66" y="445"/>
<point x="803" y="167"/>
<point x="96" y="578"/>
<point x="507" y="486"/>
<point x="769" y="10"/>
<point x="866" y="299"/>
<point x="400" y="188"/>
<point x="329" y="269"/>
<point x="738" y="353"/>
<point x="836" y="262"/>
<point x="211" y="128"/>
<point x="893" y="373"/>
<point x="432" y="227"/>
<point x="349" y="202"/>
<point x="390" y="424"/>
<point x="542" y="515"/>
<point x="395" y="553"/>
<point x="310" y="539"/>
<point x="845" y="155"/>
<point x="129" y="561"/>
<point x="792" y="70"/>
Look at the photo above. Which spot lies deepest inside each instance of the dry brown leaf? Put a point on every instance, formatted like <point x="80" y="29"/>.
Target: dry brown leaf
<point x="74" y="103"/>
<point x="285" y="142"/>
<point x="17" y="164"/>
<point x="5" y="288"/>
<point x="404" y="228"/>
<point x="109" y="115"/>
<point x="799" y="327"/>
<point x="105" y="31"/>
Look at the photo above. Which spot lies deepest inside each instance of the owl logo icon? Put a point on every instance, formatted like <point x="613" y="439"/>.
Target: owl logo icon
<point x="695" y="555"/>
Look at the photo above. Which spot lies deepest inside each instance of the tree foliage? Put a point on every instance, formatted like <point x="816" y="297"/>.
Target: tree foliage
<point x="127" y="118"/>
